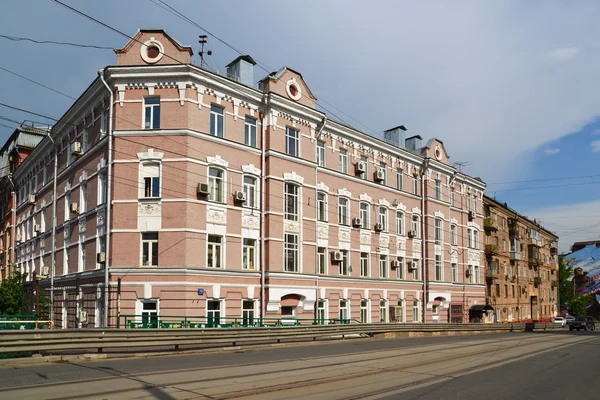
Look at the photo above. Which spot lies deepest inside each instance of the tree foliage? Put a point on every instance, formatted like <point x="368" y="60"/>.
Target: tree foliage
<point x="579" y="303"/>
<point x="11" y="294"/>
<point x="565" y="284"/>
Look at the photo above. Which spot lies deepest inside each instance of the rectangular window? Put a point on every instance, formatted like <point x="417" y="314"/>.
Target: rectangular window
<point x="291" y="201"/>
<point x="322" y="260"/>
<point x="438" y="267"/>
<point x="101" y="188"/>
<point x="214" y="252"/>
<point x="415" y="226"/>
<point x="149" y="313"/>
<point x="383" y="311"/>
<point x="250" y="132"/>
<point x="343" y="265"/>
<point x="320" y="311"/>
<point x="100" y="243"/>
<point x="454" y="272"/>
<point x="217" y="127"/>
<point x="248" y="312"/>
<point x="452" y="197"/>
<point x="249" y="254"/>
<point x="383" y="169"/>
<point x="291" y="253"/>
<point x="364" y="215"/>
<point x="292" y="142"/>
<point x="383" y="266"/>
<point x="438" y="231"/>
<point x="152" y="113"/>
<point x="150" y="249"/>
<point x="45" y="176"/>
<point x="343" y="211"/>
<point x="470" y="240"/>
<point x="365" y="160"/>
<point x="250" y="191"/>
<point x="476" y="273"/>
<point x="67" y="207"/>
<point x="399" y="223"/>
<point x="344" y="312"/>
<point x="416" y="311"/>
<point x="364" y="311"/>
<point x="469" y="203"/>
<point x="453" y="235"/>
<point x="343" y="161"/>
<point x="399" y="311"/>
<point x="216" y="185"/>
<point x="400" y="268"/>
<point x="321" y="153"/>
<point x="383" y="218"/>
<point x="416" y="273"/>
<point x="513" y="291"/>
<point x="321" y="207"/>
<point x="415" y="185"/>
<point x="151" y="174"/>
<point x="82" y="197"/>
<point x="81" y="261"/>
<point x="42" y="220"/>
<point x="400" y="179"/>
<point x="471" y="275"/>
<point x="364" y="264"/>
<point x="213" y="313"/>
<point x="438" y="189"/>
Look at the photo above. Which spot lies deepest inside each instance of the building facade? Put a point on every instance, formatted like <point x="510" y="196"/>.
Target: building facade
<point x="178" y="191"/>
<point x="522" y="265"/>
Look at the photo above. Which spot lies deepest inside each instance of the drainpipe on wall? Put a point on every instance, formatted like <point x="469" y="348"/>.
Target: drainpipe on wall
<point x="53" y="266"/>
<point x="107" y="221"/>
<point x="424" y="238"/>
<point x="318" y="135"/>
<point x="266" y="117"/>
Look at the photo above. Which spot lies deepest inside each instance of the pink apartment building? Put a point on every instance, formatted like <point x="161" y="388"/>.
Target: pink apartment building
<point x="208" y="196"/>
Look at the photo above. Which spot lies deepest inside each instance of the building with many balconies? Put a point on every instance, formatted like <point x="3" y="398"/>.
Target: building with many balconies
<point x="183" y="192"/>
<point x="521" y="265"/>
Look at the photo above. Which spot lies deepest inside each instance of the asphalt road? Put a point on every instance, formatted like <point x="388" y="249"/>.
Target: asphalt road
<point x="463" y="367"/>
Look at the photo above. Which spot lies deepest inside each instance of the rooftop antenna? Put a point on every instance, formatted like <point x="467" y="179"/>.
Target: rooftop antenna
<point x="459" y="165"/>
<point x="203" y="40"/>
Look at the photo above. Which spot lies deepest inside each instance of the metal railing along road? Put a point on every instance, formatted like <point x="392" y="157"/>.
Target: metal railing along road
<point x="91" y="340"/>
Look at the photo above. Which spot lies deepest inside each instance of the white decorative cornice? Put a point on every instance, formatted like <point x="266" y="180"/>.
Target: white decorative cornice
<point x="453" y="221"/>
<point x="416" y="210"/>
<point x="251" y="169"/>
<point x="366" y="197"/>
<point x="217" y="160"/>
<point x="323" y="187"/>
<point x="344" y="192"/>
<point x="150" y="155"/>
<point x="292" y="176"/>
<point x="384" y="202"/>
<point x="439" y="214"/>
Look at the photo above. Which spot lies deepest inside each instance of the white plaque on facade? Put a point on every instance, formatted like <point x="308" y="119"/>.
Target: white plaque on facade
<point x="384" y="241"/>
<point x="251" y="221"/>
<point x="216" y="216"/>
<point x="344" y="234"/>
<point x="292" y="226"/>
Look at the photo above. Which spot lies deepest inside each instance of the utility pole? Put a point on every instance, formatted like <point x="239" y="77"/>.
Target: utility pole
<point x="203" y="40"/>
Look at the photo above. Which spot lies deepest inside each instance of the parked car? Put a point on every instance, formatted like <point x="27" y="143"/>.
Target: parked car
<point x="559" y="320"/>
<point x="570" y="318"/>
<point x="585" y="323"/>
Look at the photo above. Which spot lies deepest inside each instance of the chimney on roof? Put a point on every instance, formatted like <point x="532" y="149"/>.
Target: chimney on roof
<point x="242" y="70"/>
<point x="395" y="136"/>
<point x="413" y="142"/>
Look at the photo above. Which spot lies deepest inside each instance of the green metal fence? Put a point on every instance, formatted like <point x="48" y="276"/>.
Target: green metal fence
<point x="149" y="321"/>
<point x="17" y="322"/>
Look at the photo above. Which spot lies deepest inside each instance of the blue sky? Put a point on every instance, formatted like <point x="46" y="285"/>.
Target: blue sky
<point x="508" y="86"/>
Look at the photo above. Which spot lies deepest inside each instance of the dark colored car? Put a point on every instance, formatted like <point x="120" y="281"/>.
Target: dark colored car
<point x="585" y="323"/>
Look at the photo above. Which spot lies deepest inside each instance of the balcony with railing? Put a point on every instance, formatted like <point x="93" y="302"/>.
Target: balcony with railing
<point x="515" y="255"/>
<point x="491" y="250"/>
<point x="491" y="272"/>
<point x="490" y="225"/>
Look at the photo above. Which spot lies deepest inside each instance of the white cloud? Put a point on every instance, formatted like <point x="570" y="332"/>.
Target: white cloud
<point x="551" y="151"/>
<point x="595" y="146"/>
<point x="571" y="222"/>
<point x="564" y="54"/>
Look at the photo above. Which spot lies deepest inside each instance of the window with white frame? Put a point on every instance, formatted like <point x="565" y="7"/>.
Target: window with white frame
<point x="214" y="252"/>
<point x="217" y="122"/>
<point x="399" y="223"/>
<point x="438" y="189"/>
<point x="343" y="211"/>
<point x="416" y="273"/>
<point x="321" y="260"/>
<point x="213" y="312"/>
<point x="292" y="196"/>
<point x="248" y="307"/>
<point x="320" y="317"/>
<point x="364" y="311"/>
<point x="475" y="239"/>
<point x="469" y="206"/>
<point x="83" y="197"/>
<point x="343" y="265"/>
<point x="383" y="169"/>
<point x="344" y="310"/>
<point x="45" y="175"/>
<point x="343" y="161"/>
<point x="400" y="268"/>
<point x="321" y="207"/>
<point x="471" y="276"/>
<point x="400" y="311"/>
<point x="415" y="226"/>
<point x="250" y="191"/>
<point x="66" y="254"/>
<point x="476" y="274"/>
<point x="415" y="185"/>
<point x="67" y="206"/>
<point x="470" y="238"/>
<point x="438" y="231"/>
<point x="438" y="268"/>
<point x="149" y="311"/>
<point x="250" y="132"/>
<point x="100" y="243"/>
<point x="81" y="260"/>
<point x="151" y="179"/>
<point x="383" y="266"/>
<point x="452" y="197"/>
<point x="292" y="142"/>
<point x="321" y="153"/>
<point x="453" y="235"/>
<point x="216" y="185"/>
<point x="249" y="254"/>
<point x="291" y="253"/>
<point x="364" y="264"/>
<point x="101" y="188"/>
<point x="150" y="249"/>
<point x="383" y="218"/>
<point x="416" y="309"/>
<point x="152" y="113"/>
<point x="42" y="220"/>
<point x="400" y="179"/>
<point x="475" y="204"/>
<point x="383" y="317"/>
<point x="364" y="215"/>
<point x="454" y="271"/>
<point x="365" y="160"/>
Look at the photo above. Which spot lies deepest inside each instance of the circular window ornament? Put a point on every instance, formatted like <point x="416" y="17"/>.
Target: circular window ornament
<point x="438" y="153"/>
<point x="152" y="51"/>
<point x="293" y="90"/>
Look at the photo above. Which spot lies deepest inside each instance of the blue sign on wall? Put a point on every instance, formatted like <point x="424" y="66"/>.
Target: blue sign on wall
<point x="200" y="292"/>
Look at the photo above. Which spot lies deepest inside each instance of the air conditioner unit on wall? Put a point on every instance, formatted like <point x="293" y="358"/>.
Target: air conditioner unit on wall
<point x="74" y="208"/>
<point x="412" y="234"/>
<point x="360" y="167"/>
<point x="412" y="266"/>
<point x="76" y="148"/>
<point x="45" y="271"/>
<point x="336" y="256"/>
<point x="31" y="199"/>
<point x="37" y="228"/>
<point x="202" y="189"/>
<point x="378" y="227"/>
<point x="471" y="215"/>
<point x="379" y="175"/>
<point x="239" y="196"/>
<point x="395" y="264"/>
<point x="356" y="222"/>
<point x="101" y="257"/>
<point x="468" y="273"/>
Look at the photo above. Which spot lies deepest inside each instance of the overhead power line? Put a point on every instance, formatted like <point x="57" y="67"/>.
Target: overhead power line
<point x="27" y="111"/>
<point x="37" y="83"/>
<point x="19" y="39"/>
